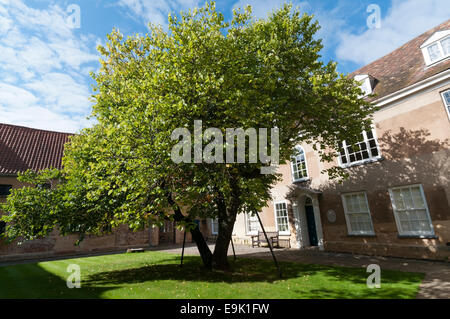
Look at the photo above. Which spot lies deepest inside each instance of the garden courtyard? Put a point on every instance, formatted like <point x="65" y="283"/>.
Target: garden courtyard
<point x="157" y="274"/>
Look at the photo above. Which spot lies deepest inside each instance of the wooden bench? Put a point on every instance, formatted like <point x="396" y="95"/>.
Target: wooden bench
<point x="259" y="239"/>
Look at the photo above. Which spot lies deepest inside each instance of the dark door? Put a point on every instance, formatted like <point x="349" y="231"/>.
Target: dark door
<point x="311" y="226"/>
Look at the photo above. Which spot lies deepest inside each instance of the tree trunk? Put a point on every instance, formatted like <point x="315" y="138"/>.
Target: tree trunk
<point x="197" y="236"/>
<point x="227" y="218"/>
<point x="220" y="256"/>
<point x="203" y="248"/>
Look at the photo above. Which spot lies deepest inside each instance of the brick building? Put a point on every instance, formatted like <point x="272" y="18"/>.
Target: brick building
<point x="396" y="201"/>
<point x="23" y="148"/>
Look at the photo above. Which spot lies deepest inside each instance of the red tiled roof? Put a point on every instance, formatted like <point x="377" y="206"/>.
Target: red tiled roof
<point x="23" y="148"/>
<point x="404" y="66"/>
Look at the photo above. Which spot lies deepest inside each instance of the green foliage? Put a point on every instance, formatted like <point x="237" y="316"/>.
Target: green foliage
<point x="244" y="73"/>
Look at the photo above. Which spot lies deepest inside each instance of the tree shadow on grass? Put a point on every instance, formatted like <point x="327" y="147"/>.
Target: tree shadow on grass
<point x="305" y="280"/>
<point x="31" y="281"/>
<point x="337" y="282"/>
<point x="192" y="270"/>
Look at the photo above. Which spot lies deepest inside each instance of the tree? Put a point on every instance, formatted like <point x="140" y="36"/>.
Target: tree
<point x="241" y="74"/>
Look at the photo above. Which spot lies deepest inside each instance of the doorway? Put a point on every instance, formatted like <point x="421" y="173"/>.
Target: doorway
<point x="311" y="224"/>
<point x="167" y="233"/>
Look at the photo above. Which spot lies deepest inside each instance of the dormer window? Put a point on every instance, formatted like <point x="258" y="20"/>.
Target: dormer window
<point x="436" y="48"/>
<point x="366" y="83"/>
<point x="434" y="52"/>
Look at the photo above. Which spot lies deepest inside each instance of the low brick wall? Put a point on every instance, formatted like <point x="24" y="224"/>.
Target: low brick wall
<point x="430" y="252"/>
<point x="55" y="245"/>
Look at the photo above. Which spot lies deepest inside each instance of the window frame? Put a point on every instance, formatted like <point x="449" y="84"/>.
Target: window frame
<point x="446" y="106"/>
<point x="350" y="231"/>
<point x="282" y="233"/>
<point x="247" y="231"/>
<point x="397" y="220"/>
<point x="303" y="179"/>
<point x="214" y="221"/>
<point x="371" y="159"/>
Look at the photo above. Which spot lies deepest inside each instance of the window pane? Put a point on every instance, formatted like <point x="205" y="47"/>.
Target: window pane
<point x="374" y="152"/>
<point x="398" y="200"/>
<point x="407" y="198"/>
<point x="417" y="198"/>
<point x="446" y="96"/>
<point x="252" y="223"/>
<point x="363" y="203"/>
<point x="434" y="52"/>
<point x="215" y="226"/>
<point x="446" y="45"/>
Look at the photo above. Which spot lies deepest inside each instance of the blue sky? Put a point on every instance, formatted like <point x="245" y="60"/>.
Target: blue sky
<point x="45" y="58"/>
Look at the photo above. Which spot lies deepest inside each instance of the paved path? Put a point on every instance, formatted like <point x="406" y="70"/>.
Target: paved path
<point x="435" y="285"/>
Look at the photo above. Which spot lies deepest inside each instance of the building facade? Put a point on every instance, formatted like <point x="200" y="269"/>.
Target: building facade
<point x="396" y="199"/>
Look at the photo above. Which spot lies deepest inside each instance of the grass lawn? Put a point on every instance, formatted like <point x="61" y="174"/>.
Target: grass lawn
<point x="158" y="275"/>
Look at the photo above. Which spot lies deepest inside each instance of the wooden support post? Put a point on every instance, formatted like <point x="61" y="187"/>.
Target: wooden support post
<point x="232" y="246"/>
<point x="270" y="245"/>
<point x="182" y="251"/>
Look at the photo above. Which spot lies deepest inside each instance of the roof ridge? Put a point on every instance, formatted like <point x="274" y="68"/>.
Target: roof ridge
<point x="23" y="148"/>
<point x="35" y="129"/>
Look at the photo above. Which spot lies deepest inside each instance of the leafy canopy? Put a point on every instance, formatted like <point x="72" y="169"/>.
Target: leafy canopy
<point x="244" y="73"/>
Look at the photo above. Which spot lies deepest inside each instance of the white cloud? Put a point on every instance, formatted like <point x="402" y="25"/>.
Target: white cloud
<point x="405" y="20"/>
<point x="42" y="118"/>
<point x="62" y="93"/>
<point x="43" y="68"/>
<point x="19" y="106"/>
<point x="11" y="96"/>
<point x="156" y="11"/>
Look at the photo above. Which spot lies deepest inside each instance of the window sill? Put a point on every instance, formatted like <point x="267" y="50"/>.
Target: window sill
<point x="419" y="236"/>
<point x="294" y="181"/>
<point x="368" y="161"/>
<point x="361" y="235"/>
<point x="432" y="64"/>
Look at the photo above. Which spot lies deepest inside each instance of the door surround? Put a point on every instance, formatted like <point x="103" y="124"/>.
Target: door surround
<point x="297" y="198"/>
